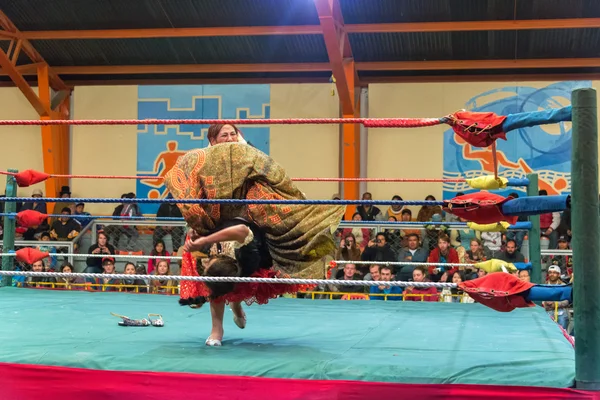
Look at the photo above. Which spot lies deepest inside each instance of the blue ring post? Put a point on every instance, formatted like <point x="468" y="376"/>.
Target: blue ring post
<point x="8" y="242"/>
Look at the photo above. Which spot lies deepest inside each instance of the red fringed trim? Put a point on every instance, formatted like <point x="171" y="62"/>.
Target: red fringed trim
<point x="30" y="255"/>
<point x="30" y="177"/>
<point x="500" y="291"/>
<point x="480" y="207"/>
<point x="479" y="129"/>
<point x="30" y="218"/>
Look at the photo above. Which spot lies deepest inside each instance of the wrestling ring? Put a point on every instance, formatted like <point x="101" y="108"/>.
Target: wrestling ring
<point x="65" y="344"/>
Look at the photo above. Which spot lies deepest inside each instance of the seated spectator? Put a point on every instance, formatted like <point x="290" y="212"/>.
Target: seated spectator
<point x="549" y="223"/>
<point x="463" y="237"/>
<point x="348" y="250"/>
<point x="395" y="210"/>
<point x="407" y="217"/>
<point x="510" y="253"/>
<point x="132" y="285"/>
<point x="33" y="232"/>
<point x="169" y="210"/>
<point x="562" y="261"/>
<point x="379" y="292"/>
<point x="39" y="281"/>
<point x="102" y="246"/>
<point x="454" y="295"/>
<point x="557" y="310"/>
<point x="524" y="275"/>
<point x="378" y="250"/>
<point x="373" y="275"/>
<point x="65" y="228"/>
<point x="421" y="294"/>
<point x="79" y="210"/>
<point x="426" y="212"/>
<point x="105" y="284"/>
<point x="361" y="235"/>
<point x="492" y="243"/>
<point x="77" y="283"/>
<point x="158" y="251"/>
<point x="347" y="274"/>
<point x="432" y="232"/>
<point x="474" y="255"/>
<point x="162" y="269"/>
<point x="394" y="236"/>
<point x="443" y="253"/>
<point x="413" y="253"/>
<point x="368" y="212"/>
<point x="45" y="237"/>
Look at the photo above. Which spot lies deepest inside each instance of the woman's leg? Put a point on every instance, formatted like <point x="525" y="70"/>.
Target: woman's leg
<point x="239" y="317"/>
<point x="217" y="310"/>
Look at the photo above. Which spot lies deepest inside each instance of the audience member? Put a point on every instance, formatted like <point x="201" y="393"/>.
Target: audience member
<point x="524" y="275"/>
<point x="378" y="250"/>
<point x="65" y="228"/>
<point x="132" y="285"/>
<point x="39" y="281"/>
<point x="426" y="212"/>
<point x="347" y="274"/>
<point x="169" y="210"/>
<point x="368" y="212"/>
<point x="492" y="243"/>
<point x="101" y="247"/>
<point x="79" y="210"/>
<point x="73" y="283"/>
<point x="158" y="251"/>
<point x="454" y="295"/>
<point x="421" y="294"/>
<point x="413" y="253"/>
<point x="159" y="286"/>
<point x="510" y="254"/>
<point x="105" y="284"/>
<point x="549" y="223"/>
<point x="395" y="210"/>
<point x="348" y="250"/>
<point x="361" y="235"/>
<point x="444" y="254"/>
<point x="381" y="292"/>
<point x="558" y="310"/>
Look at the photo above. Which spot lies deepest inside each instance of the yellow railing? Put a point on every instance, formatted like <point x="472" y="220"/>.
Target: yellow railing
<point x="101" y="287"/>
<point x="369" y="295"/>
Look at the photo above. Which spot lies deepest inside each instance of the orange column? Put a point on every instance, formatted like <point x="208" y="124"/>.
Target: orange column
<point x="351" y="143"/>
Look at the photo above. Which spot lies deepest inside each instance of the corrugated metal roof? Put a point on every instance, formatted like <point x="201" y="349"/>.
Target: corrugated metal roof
<point x="387" y="11"/>
<point x="433" y="46"/>
<point x="558" y="43"/>
<point x="116" y="14"/>
<point x="202" y="50"/>
<point x="547" y="9"/>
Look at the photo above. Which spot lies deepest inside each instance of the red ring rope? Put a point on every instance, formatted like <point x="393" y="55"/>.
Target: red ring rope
<point x="369" y="122"/>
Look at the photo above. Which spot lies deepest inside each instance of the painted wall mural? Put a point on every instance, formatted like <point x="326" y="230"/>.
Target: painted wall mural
<point x="159" y="146"/>
<point x="545" y="150"/>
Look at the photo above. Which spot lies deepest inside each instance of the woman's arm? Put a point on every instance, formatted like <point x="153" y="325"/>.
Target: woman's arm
<point x="237" y="233"/>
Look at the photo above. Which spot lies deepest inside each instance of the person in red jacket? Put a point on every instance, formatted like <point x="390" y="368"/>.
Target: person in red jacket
<point x="443" y="253"/>
<point x="421" y="294"/>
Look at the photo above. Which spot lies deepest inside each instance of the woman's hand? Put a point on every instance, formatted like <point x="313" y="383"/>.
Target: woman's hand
<point x="195" y="244"/>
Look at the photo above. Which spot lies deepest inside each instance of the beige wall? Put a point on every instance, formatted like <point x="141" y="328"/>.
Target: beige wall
<point x="21" y="145"/>
<point x="306" y="150"/>
<point x="416" y="153"/>
<point x="104" y="150"/>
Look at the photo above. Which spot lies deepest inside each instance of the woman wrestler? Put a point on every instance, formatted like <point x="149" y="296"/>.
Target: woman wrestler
<point x="262" y="240"/>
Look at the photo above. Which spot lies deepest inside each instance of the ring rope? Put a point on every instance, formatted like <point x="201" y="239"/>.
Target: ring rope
<point x="222" y="201"/>
<point x="368" y="122"/>
<point x="140" y="177"/>
<point x="289" y="281"/>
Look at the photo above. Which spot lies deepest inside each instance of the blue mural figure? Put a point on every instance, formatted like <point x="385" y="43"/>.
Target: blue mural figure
<point x="159" y="146"/>
<point x="545" y="150"/>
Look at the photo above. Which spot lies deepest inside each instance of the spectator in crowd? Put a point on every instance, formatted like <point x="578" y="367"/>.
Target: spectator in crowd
<point x="517" y="236"/>
<point x="524" y="275"/>
<point x="378" y="250"/>
<point x="132" y="285"/>
<point x="45" y="237"/>
<point x="79" y="210"/>
<point x="549" y="223"/>
<point x="169" y="210"/>
<point x="463" y="237"/>
<point x="558" y="310"/>
<point x="395" y="210"/>
<point x="475" y="253"/>
<point x="492" y="243"/>
<point x="65" y="228"/>
<point x="162" y="269"/>
<point x="158" y="251"/>
<point x="39" y="281"/>
<point x="361" y="235"/>
<point x="421" y="294"/>
<point x="413" y="253"/>
<point x="454" y="295"/>
<point x="481" y="273"/>
<point x="443" y="253"/>
<point x="105" y="284"/>
<point x="349" y="273"/>
<point x="449" y="217"/>
<point x="368" y="212"/>
<point x="394" y="236"/>
<point x="560" y="260"/>
<point x="510" y="253"/>
<point x="564" y="229"/>
<point x="130" y="232"/>
<point x="380" y="292"/>
<point x="65" y="193"/>
<point x="373" y="275"/>
<point x="103" y="247"/>
<point x="76" y="283"/>
<point x="407" y="217"/>
<point x="348" y="250"/>
<point x="433" y="231"/>
<point x="33" y="232"/>
<point x="426" y="212"/>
